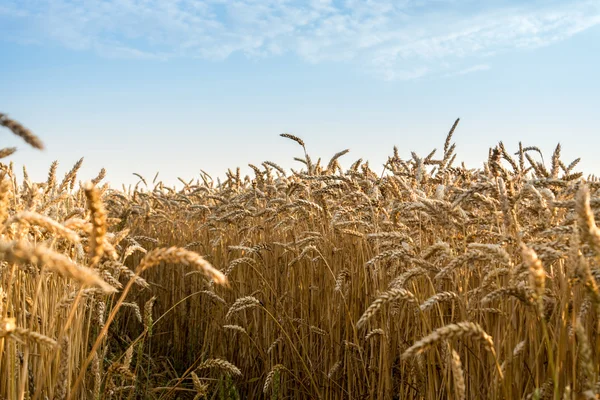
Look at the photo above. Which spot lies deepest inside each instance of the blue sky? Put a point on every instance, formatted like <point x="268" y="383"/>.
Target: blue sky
<point x="180" y="85"/>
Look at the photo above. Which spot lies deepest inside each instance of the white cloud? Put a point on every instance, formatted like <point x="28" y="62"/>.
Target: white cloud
<point x="474" y="68"/>
<point x="393" y="39"/>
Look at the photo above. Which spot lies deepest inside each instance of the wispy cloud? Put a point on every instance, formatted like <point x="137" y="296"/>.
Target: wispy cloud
<point x="474" y="68"/>
<point x="393" y="39"/>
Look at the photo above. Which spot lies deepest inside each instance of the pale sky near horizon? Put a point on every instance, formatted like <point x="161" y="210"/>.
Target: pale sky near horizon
<point x="181" y="85"/>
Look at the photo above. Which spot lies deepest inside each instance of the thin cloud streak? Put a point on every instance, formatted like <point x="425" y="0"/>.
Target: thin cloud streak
<point x="392" y="40"/>
<point x="474" y="68"/>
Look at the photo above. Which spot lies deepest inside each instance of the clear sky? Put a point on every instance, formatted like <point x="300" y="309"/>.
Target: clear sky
<point x="181" y="85"/>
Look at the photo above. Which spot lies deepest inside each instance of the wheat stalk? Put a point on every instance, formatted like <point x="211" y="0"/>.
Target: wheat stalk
<point x="22" y="252"/>
<point x="382" y="299"/>
<point x="459" y="378"/>
<point x="21" y="131"/>
<point x="459" y="330"/>
<point x="220" y="364"/>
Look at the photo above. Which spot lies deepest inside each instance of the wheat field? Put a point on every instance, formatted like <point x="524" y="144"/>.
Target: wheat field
<point x="425" y="281"/>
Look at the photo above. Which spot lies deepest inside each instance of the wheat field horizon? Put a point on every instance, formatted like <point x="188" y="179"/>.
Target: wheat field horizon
<point x="427" y="280"/>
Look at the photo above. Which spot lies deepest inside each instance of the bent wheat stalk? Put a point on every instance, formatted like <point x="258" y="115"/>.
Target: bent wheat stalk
<point x="458" y="330"/>
<point x="384" y="298"/>
<point x="23" y="252"/>
<point x="172" y="255"/>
